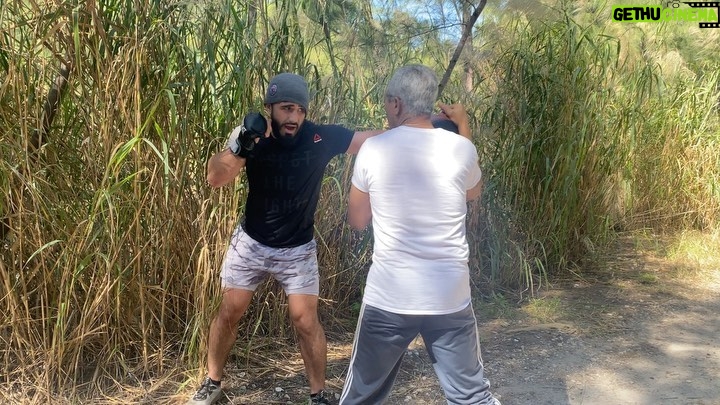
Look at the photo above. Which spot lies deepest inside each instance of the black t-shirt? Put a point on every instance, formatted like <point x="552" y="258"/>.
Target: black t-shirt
<point x="284" y="183"/>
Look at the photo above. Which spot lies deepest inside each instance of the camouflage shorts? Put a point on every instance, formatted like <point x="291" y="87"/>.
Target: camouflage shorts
<point x="248" y="263"/>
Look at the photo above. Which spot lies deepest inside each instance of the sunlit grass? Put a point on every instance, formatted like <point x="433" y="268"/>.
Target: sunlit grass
<point x="648" y="278"/>
<point x="544" y="310"/>
<point x="697" y="247"/>
<point x="689" y="258"/>
<point x="696" y="256"/>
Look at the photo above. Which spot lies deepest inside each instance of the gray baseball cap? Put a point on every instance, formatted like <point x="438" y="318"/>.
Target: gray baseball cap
<point x="288" y="87"/>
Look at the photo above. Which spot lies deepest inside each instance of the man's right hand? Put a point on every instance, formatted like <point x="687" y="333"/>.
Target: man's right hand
<point x="254" y="127"/>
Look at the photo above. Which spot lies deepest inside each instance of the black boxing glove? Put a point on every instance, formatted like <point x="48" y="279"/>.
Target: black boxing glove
<point x="254" y="126"/>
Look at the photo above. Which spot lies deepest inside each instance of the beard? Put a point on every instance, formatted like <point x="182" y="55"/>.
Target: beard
<point x="282" y="138"/>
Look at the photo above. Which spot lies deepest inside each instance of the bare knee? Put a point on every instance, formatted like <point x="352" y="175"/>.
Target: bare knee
<point x="232" y="308"/>
<point x="228" y="318"/>
<point x="305" y="322"/>
<point x="303" y="314"/>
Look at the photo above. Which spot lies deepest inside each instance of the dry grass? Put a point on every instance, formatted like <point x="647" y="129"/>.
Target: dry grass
<point x="689" y="259"/>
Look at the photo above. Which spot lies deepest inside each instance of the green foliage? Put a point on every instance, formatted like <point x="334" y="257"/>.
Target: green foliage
<point x="496" y="306"/>
<point x="674" y="153"/>
<point x="552" y="156"/>
<point x="579" y="140"/>
<point x="544" y="310"/>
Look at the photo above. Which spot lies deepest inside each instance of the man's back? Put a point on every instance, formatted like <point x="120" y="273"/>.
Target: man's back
<point x="417" y="181"/>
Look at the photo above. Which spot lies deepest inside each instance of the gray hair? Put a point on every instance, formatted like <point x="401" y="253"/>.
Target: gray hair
<point x="416" y="86"/>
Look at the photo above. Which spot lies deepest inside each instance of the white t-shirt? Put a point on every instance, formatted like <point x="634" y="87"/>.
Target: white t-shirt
<point x="418" y="181"/>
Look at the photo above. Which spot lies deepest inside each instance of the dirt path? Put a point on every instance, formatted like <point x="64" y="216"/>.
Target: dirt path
<point x="642" y="330"/>
<point x="619" y="344"/>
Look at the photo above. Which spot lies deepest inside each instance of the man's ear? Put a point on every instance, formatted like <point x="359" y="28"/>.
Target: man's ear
<point x="394" y="105"/>
<point x="268" y="110"/>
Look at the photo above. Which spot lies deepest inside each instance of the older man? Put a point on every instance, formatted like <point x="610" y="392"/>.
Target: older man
<point x="413" y="182"/>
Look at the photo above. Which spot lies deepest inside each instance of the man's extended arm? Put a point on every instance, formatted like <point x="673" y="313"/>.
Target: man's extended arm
<point x="359" y="138"/>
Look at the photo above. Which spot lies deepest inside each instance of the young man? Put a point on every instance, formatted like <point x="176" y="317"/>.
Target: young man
<point x="285" y="164"/>
<point x="413" y="182"/>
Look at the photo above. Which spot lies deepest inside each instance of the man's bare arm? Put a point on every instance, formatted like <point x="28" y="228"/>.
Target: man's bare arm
<point x="359" y="211"/>
<point x="359" y="138"/>
<point x="475" y="192"/>
<point x="223" y="167"/>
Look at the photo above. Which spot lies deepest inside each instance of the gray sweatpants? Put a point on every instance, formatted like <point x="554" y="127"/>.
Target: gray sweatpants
<point x="382" y="338"/>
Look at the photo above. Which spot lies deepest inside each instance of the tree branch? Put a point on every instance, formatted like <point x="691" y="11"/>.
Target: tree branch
<point x="52" y="103"/>
<point x="39" y="136"/>
<point x="467" y="31"/>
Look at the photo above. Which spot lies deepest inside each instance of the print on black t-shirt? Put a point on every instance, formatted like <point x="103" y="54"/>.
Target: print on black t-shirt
<point x="284" y="184"/>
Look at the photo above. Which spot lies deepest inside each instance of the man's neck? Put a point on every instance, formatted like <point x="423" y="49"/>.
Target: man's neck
<point x="417" y="122"/>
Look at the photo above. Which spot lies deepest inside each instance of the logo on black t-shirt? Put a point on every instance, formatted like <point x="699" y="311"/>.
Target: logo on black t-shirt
<point x="317" y="138"/>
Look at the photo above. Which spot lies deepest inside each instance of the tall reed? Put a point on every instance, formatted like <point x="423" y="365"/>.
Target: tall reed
<point x="110" y="267"/>
<point x="580" y="140"/>
<point x="675" y="175"/>
<point x="552" y="153"/>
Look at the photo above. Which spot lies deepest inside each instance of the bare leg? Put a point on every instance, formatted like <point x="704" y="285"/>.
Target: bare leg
<point x="311" y="336"/>
<point x="223" y="329"/>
